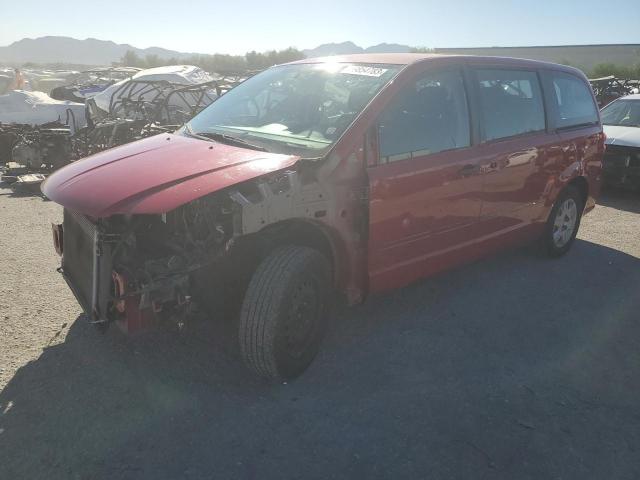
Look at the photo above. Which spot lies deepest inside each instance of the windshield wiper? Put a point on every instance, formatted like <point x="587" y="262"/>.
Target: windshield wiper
<point x="224" y="138"/>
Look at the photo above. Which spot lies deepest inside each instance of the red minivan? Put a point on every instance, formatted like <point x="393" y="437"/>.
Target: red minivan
<point x="324" y="178"/>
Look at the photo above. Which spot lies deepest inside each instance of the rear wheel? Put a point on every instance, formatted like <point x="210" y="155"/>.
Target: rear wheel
<point x="283" y="315"/>
<point x="563" y="223"/>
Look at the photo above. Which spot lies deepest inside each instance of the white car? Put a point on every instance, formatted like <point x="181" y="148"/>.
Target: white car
<point x="38" y="108"/>
<point x="621" y="121"/>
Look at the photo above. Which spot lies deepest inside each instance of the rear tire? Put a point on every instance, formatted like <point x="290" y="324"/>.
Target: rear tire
<point x="563" y="222"/>
<point x="283" y="315"/>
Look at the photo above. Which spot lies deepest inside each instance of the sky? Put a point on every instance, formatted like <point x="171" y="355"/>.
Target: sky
<point x="238" y="26"/>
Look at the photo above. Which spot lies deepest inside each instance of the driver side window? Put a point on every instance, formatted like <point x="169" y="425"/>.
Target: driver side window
<point x="428" y="116"/>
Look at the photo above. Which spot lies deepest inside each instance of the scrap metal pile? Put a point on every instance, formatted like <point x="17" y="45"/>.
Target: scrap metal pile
<point x="140" y="108"/>
<point x="30" y="152"/>
<point x="136" y="108"/>
<point x="607" y="89"/>
<point x="85" y="84"/>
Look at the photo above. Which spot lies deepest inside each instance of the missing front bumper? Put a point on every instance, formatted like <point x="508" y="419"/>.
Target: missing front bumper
<point x="86" y="263"/>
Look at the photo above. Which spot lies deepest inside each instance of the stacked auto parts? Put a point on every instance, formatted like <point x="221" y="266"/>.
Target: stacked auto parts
<point x="30" y="152"/>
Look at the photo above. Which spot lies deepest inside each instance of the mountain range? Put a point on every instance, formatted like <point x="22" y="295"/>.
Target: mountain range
<point x="71" y="50"/>
<point x="101" y="52"/>
<point x="347" y="48"/>
<point x="53" y="49"/>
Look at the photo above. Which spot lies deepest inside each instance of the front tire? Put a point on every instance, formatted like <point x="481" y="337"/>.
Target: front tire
<point x="563" y="222"/>
<point x="283" y="315"/>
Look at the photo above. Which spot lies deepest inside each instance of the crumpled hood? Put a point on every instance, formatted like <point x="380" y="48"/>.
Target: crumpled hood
<point x="156" y="175"/>
<point x="624" y="136"/>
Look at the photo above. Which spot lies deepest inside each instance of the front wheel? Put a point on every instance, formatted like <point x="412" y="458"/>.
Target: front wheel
<point x="282" y="320"/>
<point x="563" y="223"/>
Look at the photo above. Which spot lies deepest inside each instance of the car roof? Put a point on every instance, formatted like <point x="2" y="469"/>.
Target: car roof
<point x="412" y="58"/>
<point x="382" y="58"/>
<point x="633" y="96"/>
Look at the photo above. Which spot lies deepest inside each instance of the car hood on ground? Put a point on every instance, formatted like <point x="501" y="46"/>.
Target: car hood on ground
<point x="623" y="136"/>
<point x="156" y="175"/>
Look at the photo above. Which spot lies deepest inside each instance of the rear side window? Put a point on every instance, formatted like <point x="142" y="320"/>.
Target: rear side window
<point x="428" y="116"/>
<point x="573" y="101"/>
<point x="510" y="102"/>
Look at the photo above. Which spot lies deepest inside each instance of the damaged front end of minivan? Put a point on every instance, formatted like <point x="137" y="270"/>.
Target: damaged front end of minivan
<point x="133" y="259"/>
<point x="131" y="269"/>
<point x="254" y="211"/>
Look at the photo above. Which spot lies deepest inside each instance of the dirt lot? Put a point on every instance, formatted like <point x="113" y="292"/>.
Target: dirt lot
<point x="514" y="367"/>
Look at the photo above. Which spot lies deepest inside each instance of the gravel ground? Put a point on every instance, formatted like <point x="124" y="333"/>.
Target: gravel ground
<point x="513" y="367"/>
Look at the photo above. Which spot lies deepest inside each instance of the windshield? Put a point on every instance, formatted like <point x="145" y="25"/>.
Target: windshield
<point x="622" y="112"/>
<point x="297" y="109"/>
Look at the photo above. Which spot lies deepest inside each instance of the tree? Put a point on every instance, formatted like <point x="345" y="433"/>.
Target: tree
<point x="422" y="50"/>
<point x="131" y="59"/>
<point x="260" y="61"/>
<point x="218" y="62"/>
<point x="289" y="55"/>
<point x="152" y="60"/>
<point x="620" y="71"/>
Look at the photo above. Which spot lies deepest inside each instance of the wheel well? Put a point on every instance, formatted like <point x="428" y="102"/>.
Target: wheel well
<point x="583" y="187"/>
<point x="292" y="232"/>
<point x="226" y="281"/>
<point x="253" y="248"/>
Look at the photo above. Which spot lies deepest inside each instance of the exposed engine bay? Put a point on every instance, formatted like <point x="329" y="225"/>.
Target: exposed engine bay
<point x="131" y="269"/>
<point x="136" y="269"/>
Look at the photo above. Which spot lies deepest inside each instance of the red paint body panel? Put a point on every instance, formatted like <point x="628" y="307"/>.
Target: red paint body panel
<point x="419" y="208"/>
<point x="156" y="175"/>
<point x="425" y="218"/>
<point x="514" y="177"/>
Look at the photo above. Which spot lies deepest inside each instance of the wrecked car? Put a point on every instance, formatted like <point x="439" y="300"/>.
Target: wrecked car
<point x="621" y="121"/>
<point x="79" y="87"/>
<point x="142" y="108"/>
<point x="154" y="101"/>
<point x="328" y="179"/>
<point x="37" y="108"/>
<point x="171" y="74"/>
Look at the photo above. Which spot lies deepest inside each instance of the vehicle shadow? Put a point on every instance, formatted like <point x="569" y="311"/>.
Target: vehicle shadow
<point x="513" y="367"/>
<point x="7" y="191"/>
<point x="621" y="200"/>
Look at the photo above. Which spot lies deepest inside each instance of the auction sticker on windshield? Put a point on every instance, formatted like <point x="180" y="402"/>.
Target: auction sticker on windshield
<point x="364" y="70"/>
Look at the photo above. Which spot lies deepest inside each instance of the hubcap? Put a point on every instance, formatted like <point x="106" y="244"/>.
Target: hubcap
<point x="565" y="222"/>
